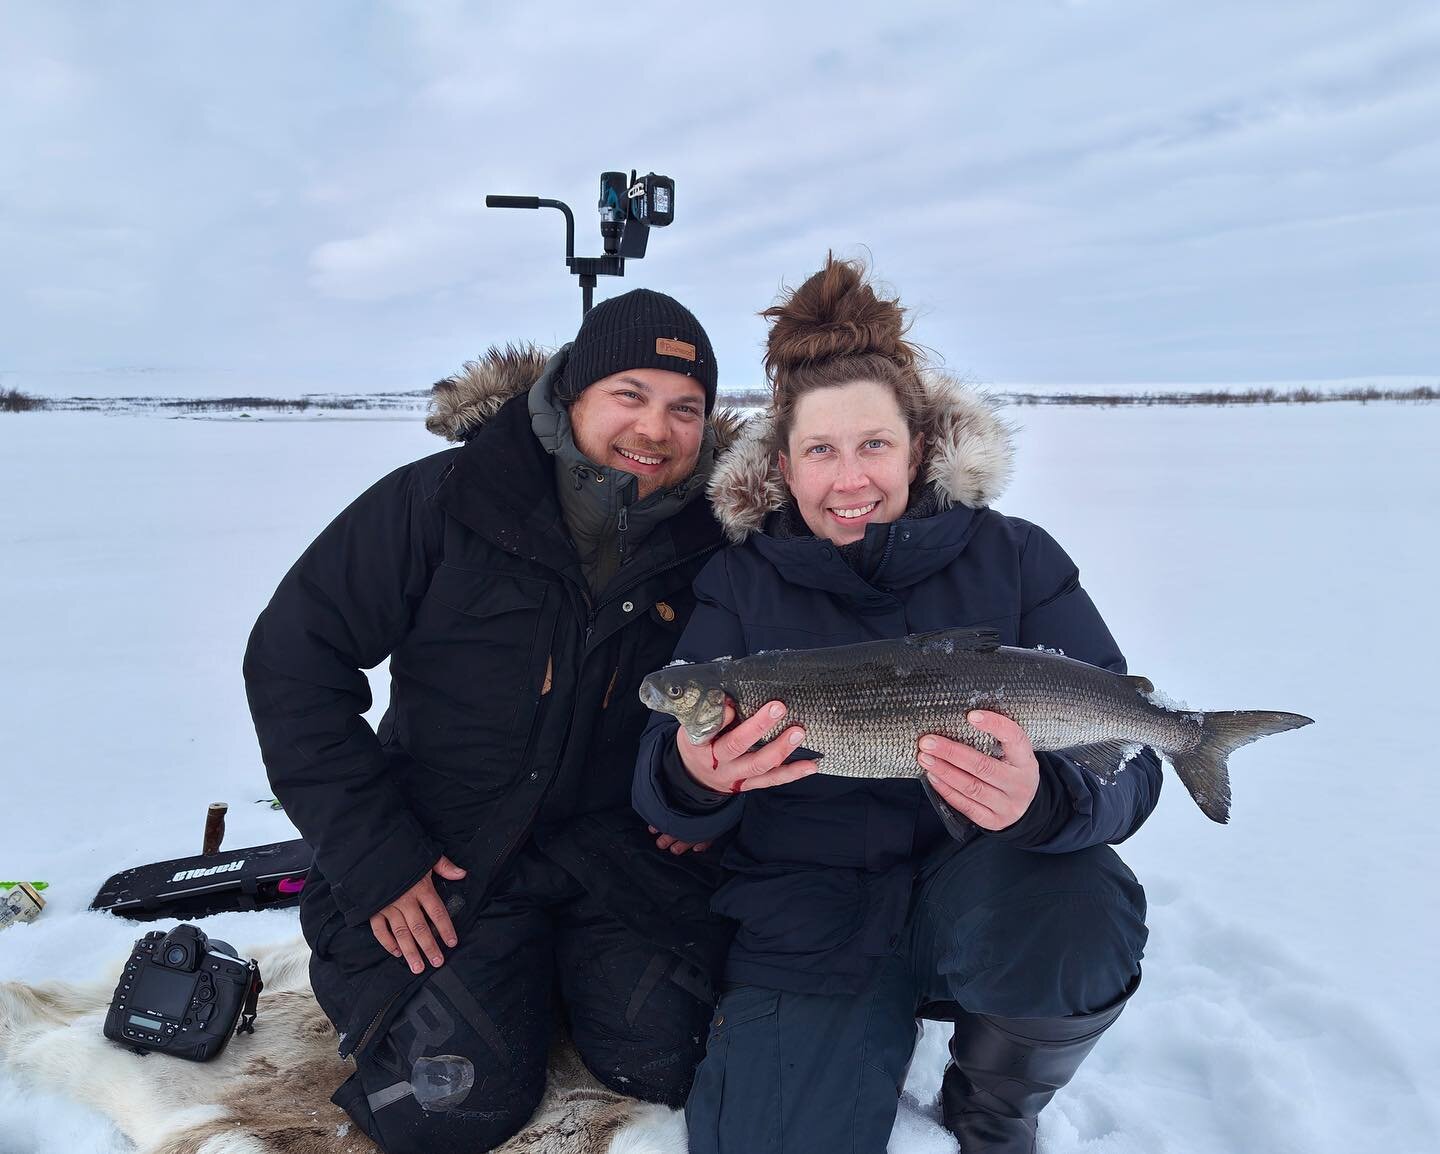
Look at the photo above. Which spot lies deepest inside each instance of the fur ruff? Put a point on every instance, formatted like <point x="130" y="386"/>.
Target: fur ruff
<point x="269" y="1092"/>
<point x="969" y="457"/>
<point x="461" y="403"/>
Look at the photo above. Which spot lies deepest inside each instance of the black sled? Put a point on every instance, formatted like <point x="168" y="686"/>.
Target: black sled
<point x="255" y="878"/>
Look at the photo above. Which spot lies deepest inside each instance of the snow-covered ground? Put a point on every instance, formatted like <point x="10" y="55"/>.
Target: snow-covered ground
<point x="1276" y="557"/>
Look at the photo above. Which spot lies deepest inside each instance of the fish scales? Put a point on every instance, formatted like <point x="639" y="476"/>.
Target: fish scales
<point x="864" y="707"/>
<point x="866" y="716"/>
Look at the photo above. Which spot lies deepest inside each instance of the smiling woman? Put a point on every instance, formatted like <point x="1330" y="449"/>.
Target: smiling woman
<point x="855" y="462"/>
<point x="860" y="512"/>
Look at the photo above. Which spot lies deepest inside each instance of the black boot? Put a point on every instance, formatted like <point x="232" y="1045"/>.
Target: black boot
<point x="1004" y="1071"/>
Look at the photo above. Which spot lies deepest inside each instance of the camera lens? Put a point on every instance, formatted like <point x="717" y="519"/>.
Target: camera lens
<point x="175" y="956"/>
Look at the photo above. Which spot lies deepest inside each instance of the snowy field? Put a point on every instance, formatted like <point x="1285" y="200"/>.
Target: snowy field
<point x="1278" y="558"/>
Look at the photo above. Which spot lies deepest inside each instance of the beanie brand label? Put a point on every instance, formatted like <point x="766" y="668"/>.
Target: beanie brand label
<point x="666" y="347"/>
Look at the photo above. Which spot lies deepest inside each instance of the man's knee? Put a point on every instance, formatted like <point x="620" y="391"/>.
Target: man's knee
<point x="444" y="1076"/>
<point x="396" y="1121"/>
<point x="653" y="1073"/>
<point x="647" y="1045"/>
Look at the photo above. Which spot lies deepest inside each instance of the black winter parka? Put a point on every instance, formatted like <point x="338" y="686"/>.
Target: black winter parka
<point x="513" y="712"/>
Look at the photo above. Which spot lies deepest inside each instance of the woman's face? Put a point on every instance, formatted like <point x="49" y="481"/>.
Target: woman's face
<point x="849" y="460"/>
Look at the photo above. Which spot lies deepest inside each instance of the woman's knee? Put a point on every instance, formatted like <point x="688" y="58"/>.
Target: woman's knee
<point x="1065" y="938"/>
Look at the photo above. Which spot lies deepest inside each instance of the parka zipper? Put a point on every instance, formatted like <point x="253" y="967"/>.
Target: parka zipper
<point x="889" y="548"/>
<point x="365" y="1034"/>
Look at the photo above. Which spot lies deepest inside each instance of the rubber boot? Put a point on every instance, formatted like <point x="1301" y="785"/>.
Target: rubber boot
<point x="1004" y="1071"/>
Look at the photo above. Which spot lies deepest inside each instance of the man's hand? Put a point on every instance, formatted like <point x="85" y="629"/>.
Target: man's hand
<point x="726" y="764"/>
<point x="675" y="845"/>
<point x="402" y="928"/>
<point x="992" y="792"/>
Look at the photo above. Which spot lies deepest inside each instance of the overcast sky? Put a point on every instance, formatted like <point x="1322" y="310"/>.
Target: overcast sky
<point x="275" y="196"/>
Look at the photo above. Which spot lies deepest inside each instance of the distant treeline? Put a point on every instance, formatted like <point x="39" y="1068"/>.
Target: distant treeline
<point x="14" y="401"/>
<point x="1301" y="396"/>
<point x="758" y="398"/>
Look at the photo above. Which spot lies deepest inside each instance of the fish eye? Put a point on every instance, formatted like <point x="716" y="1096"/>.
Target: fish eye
<point x="673" y="691"/>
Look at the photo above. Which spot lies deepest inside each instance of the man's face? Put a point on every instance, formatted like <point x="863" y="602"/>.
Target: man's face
<point x="648" y="422"/>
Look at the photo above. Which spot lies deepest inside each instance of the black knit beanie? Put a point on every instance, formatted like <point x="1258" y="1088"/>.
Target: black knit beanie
<point x="638" y="330"/>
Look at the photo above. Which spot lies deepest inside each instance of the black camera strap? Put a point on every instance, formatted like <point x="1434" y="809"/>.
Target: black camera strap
<point x="252" y="999"/>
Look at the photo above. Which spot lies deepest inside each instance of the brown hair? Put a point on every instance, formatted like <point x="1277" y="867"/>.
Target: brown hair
<point x="834" y="330"/>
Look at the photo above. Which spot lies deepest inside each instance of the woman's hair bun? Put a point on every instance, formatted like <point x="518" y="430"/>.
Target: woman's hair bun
<point x="835" y="313"/>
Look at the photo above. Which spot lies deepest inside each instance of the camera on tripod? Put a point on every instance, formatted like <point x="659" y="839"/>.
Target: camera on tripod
<point x="182" y="994"/>
<point x="629" y="209"/>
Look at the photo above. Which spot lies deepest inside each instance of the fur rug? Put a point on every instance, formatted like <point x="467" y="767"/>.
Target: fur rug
<point x="269" y="1093"/>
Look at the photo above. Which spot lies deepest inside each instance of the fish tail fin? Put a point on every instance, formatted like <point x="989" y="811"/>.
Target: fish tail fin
<point x="1204" y="770"/>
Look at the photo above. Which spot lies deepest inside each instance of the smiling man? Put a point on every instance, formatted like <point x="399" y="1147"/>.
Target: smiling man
<point x="478" y="870"/>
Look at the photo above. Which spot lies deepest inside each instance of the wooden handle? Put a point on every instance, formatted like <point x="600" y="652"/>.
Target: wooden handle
<point x="214" y="827"/>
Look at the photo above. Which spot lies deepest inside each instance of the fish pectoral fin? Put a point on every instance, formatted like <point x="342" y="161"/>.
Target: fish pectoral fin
<point x="1104" y="758"/>
<point x="956" y="824"/>
<point x="956" y="640"/>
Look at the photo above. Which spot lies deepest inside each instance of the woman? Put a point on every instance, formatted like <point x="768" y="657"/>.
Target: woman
<point x="860" y="511"/>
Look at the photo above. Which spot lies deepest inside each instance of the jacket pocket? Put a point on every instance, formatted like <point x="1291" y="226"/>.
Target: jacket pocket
<point x="471" y="673"/>
<point x="735" y="1102"/>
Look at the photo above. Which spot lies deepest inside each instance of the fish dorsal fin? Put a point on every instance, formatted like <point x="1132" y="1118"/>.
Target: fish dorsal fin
<point x="1142" y="685"/>
<point x="1104" y="758"/>
<point x="955" y="640"/>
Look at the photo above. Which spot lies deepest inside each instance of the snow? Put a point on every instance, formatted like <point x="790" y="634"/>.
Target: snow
<point x="1266" y="558"/>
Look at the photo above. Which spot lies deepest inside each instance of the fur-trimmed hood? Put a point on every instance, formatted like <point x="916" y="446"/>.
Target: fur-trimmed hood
<point x="464" y="401"/>
<point x="460" y="404"/>
<point x="969" y="455"/>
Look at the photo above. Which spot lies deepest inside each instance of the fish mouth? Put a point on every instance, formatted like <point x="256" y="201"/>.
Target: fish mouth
<point x="653" y="696"/>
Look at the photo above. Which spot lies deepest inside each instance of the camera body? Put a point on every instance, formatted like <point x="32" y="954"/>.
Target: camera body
<point x="182" y="994"/>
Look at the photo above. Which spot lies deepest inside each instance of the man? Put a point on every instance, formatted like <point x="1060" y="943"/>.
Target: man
<point x="478" y="856"/>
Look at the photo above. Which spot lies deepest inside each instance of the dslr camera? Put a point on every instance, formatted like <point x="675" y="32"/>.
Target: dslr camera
<point x="183" y="994"/>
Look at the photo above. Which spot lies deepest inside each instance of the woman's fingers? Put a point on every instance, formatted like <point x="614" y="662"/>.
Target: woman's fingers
<point x="779" y="775"/>
<point x="962" y="800"/>
<point x="735" y="743"/>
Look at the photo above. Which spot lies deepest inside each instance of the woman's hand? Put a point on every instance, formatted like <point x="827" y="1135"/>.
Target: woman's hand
<point x="992" y="792"/>
<point x="727" y="764"/>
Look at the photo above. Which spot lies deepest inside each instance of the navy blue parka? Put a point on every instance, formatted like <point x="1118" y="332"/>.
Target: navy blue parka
<point x="822" y="868"/>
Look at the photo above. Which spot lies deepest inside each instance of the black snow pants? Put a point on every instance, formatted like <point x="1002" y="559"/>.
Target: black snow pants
<point x="481" y="1025"/>
<point x="992" y="930"/>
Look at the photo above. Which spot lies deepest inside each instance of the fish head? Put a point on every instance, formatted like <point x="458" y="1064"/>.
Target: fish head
<point x="691" y="693"/>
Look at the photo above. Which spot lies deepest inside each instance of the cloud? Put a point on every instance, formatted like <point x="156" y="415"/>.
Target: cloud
<point x="1112" y="190"/>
